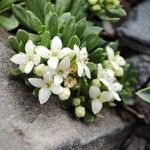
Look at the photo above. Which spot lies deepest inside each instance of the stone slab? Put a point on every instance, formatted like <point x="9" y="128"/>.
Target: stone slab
<point x="27" y="125"/>
<point x="135" y="32"/>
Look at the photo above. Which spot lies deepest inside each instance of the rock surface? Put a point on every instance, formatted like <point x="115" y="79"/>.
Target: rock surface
<point x="141" y="64"/>
<point x="135" y="32"/>
<point x="25" y="124"/>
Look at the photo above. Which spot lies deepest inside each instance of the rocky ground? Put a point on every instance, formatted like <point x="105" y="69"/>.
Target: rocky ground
<point x="25" y="124"/>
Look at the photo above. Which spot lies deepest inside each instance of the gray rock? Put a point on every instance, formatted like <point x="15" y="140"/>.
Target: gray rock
<point x="141" y="64"/>
<point x="25" y="124"/>
<point x="135" y="33"/>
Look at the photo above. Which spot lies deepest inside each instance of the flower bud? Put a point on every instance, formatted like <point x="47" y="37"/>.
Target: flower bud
<point x="92" y="2"/>
<point x="119" y="72"/>
<point x="96" y="82"/>
<point x="40" y="70"/>
<point x="80" y="111"/>
<point x="65" y="94"/>
<point x="96" y="7"/>
<point x="76" y="101"/>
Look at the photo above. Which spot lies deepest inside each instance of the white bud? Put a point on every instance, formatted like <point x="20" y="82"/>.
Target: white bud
<point x="80" y="111"/>
<point x="22" y="68"/>
<point x="40" y="70"/>
<point x="96" y="82"/>
<point x="92" y="2"/>
<point x="65" y="94"/>
<point x="96" y="7"/>
<point x="120" y="60"/>
<point x="119" y="72"/>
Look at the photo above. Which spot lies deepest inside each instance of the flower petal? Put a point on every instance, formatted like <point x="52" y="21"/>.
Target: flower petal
<point x="56" y="89"/>
<point x="116" y="96"/>
<point x="115" y="65"/>
<point x="76" y="49"/>
<point x="43" y="51"/>
<point x="20" y="58"/>
<point x="106" y="96"/>
<point x="106" y="83"/>
<point x="64" y="52"/>
<point x="56" y="44"/>
<point x="36" y="59"/>
<point x="58" y="79"/>
<point x="96" y="106"/>
<point x="83" y="54"/>
<point x="53" y="62"/>
<point x="99" y="70"/>
<point x="110" y="53"/>
<point x="80" y="69"/>
<point x="47" y="77"/>
<point x="29" y="66"/>
<point x="64" y="64"/>
<point x="94" y="92"/>
<point x="29" y="48"/>
<point x="117" y="86"/>
<point x="87" y="71"/>
<point x="36" y="82"/>
<point x="44" y="95"/>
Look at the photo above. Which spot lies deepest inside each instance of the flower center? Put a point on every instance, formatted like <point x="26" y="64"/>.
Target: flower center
<point x="48" y="84"/>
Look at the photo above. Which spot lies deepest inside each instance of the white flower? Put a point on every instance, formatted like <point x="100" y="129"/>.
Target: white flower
<point x="27" y="61"/>
<point x="106" y="76"/>
<point x="98" y="98"/>
<point x="81" y="59"/>
<point x="115" y="60"/>
<point x="65" y="94"/>
<point x="62" y="71"/>
<point x="47" y="87"/>
<point x="70" y="82"/>
<point x="55" y="54"/>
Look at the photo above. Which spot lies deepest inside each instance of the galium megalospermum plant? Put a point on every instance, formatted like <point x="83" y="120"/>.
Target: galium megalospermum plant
<point x="62" y="54"/>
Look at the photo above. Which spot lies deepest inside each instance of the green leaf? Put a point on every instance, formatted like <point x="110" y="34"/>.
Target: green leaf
<point x="45" y="39"/>
<point x="20" y="14"/>
<point x="63" y="18"/>
<point x="69" y="30"/>
<point x="5" y="3"/>
<point x="37" y="7"/>
<point x="34" y="22"/>
<point x="75" y="7"/>
<point x="92" y="66"/>
<point x="9" y="23"/>
<point x="52" y="25"/>
<point x="62" y="6"/>
<point x="144" y="94"/>
<point x="15" y="73"/>
<point x="48" y="8"/>
<point x="98" y="56"/>
<point x="118" y="12"/>
<point x="74" y="40"/>
<point x="81" y="27"/>
<point x="22" y="36"/>
<point x="34" y="37"/>
<point x="91" y="41"/>
<point x="13" y="42"/>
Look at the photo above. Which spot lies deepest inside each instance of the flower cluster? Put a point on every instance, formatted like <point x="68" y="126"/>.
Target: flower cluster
<point x="100" y="4"/>
<point x="59" y="71"/>
<point x="109" y="10"/>
<point x="57" y="74"/>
